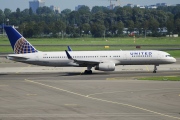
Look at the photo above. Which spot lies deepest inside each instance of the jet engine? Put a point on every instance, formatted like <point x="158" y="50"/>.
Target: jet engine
<point x="105" y="67"/>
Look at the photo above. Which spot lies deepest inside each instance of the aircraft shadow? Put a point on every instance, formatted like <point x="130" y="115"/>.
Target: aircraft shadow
<point x="104" y="73"/>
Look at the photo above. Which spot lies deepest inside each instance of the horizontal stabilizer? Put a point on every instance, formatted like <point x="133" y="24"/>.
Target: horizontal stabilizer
<point x="16" y="58"/>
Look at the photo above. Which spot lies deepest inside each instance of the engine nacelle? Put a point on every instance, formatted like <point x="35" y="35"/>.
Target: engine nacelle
<point x="105" y="67"/>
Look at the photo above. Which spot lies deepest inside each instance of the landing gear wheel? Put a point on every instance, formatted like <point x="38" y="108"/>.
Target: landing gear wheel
<point x="85" y="72"/>
<point x="88" y="72"/>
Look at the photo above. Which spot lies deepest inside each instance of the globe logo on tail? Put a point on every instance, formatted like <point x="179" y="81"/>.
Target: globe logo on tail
<point x="22" y="46"/>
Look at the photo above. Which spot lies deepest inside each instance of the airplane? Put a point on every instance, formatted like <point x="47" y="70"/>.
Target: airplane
<point x="101" y="60"/>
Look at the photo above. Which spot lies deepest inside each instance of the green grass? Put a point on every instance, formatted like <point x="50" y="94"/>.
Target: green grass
<point x="162" y="78"/>
<point x="99" y="41"/>
<point x="174" y="53"/>
<point x="6" y="49"/>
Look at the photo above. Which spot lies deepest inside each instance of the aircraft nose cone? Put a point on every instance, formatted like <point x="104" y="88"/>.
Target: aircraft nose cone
<point x="172" y="60"/>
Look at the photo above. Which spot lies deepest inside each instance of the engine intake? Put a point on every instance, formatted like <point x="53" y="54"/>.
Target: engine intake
<point x="105" y="67"/>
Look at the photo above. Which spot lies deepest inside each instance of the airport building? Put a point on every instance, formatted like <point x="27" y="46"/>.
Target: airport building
<point x="79" y="6"/>
<point x="55" y="9"/>
<point x="34" y="5"/>
<point x="129" y="5"/>
<point x="162" y="4"/>
<point x="148" y="6"/>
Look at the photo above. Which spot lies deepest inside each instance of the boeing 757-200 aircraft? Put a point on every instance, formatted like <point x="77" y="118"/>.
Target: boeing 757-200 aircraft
<point x="100" y="60"/>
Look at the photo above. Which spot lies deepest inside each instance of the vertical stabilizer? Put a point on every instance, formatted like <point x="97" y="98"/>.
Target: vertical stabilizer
<point x="19" y="44"/>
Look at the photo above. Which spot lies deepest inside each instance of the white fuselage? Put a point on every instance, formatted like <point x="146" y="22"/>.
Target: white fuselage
<point x="60" y="59"/>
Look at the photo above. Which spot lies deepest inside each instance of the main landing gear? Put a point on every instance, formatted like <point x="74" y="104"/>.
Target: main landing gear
<point x="155" y="68"/>
<point x="88" y="71"/>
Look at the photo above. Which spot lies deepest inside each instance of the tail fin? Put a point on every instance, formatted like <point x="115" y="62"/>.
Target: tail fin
<point x="19" y="44"/>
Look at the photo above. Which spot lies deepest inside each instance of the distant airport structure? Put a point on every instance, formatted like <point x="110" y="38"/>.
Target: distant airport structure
<point x="155" y="6"/>
<point x="55" y="9"/>
<point x="34" y="5"/>
<point x="149" y="6"/>
<point x="78" y="7"/>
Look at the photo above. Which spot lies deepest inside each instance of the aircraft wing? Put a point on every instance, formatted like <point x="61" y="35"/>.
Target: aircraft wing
<point x="84" y="62"/>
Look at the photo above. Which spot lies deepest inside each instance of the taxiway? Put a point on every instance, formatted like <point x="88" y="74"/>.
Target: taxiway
<point x="30" y="92"/>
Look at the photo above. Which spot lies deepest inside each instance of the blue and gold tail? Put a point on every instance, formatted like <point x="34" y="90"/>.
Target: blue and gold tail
<point x="19" y="44"/>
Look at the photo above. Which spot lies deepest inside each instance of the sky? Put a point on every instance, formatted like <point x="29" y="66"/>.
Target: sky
<point x="70" y="4"/>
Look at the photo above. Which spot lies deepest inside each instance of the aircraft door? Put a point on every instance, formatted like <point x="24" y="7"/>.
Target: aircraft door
<point x="159" y="56"/>
<point x="125" y="56"/>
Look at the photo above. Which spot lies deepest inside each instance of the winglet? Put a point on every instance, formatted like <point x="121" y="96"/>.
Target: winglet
<point x="68" y="55"/>
<point x="69" y="48"/>
<point x="2" y="25"/>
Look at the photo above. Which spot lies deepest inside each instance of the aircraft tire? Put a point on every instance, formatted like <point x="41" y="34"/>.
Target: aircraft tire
<point x="88" y="72"/>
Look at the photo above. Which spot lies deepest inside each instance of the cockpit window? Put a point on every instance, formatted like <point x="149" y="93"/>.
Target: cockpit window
<point x="168" y="56"/>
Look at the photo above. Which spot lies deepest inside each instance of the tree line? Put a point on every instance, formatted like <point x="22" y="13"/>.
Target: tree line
<point x="98" y="22"/>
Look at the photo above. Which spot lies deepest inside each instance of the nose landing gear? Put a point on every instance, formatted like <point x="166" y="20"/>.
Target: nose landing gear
<point x="155" y="68"/>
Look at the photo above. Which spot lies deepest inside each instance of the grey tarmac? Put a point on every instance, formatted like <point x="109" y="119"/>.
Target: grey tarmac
<point x="43" y="93"/>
